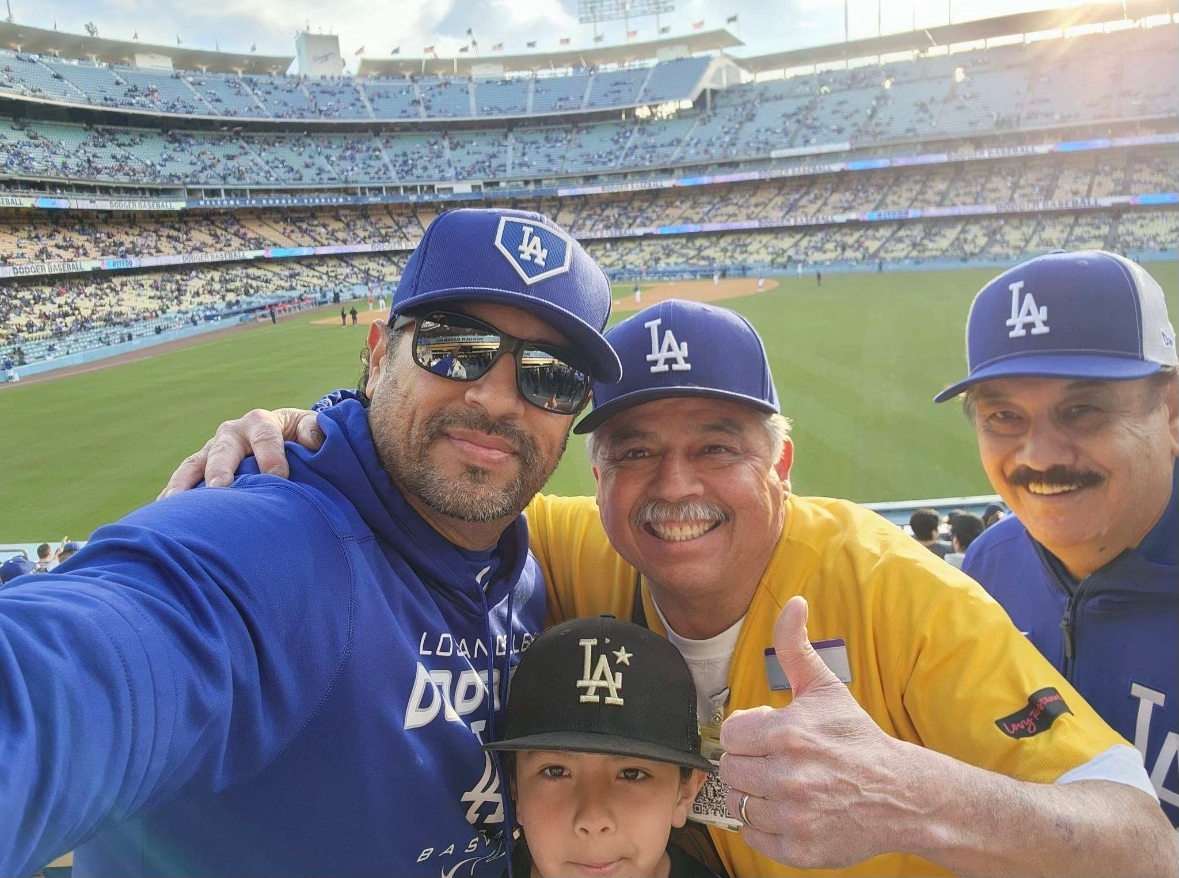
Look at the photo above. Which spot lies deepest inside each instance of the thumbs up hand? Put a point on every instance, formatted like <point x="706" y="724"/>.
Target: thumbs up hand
<point x="825" y="784"/>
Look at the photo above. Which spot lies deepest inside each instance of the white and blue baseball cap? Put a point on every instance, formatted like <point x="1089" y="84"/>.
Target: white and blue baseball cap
<point x="680" y="348"/>
<point x="517" y="258"/>
<point x="1087" y="314"/>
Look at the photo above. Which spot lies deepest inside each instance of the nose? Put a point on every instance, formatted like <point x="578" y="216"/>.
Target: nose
<point x="676" y="478"/>
<point x="1046" y="443"/>
<point x="594" y="815"/>
<point x="496" y="392"/>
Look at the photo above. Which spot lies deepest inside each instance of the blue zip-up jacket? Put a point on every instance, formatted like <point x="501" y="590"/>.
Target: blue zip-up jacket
<point x="1114" y="636"/>
<point x="278" y="678"/>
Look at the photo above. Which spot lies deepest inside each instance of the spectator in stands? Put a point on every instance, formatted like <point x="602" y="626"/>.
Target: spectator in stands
<point x="1073" y="390"/>
<point x="693" y="483"/>
<point x="67" y="549"/>
<point x="18" y="565"/>
<point x="195" y="702"/>
<point x="964" y="530"/>
<point x="993" y="514"/>
<point x="925" y="523"/>
<point x="44" y="558"/>
<point x="619" y="771"/>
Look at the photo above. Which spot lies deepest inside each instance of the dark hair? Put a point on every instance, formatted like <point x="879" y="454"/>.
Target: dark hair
<point x="966" y="528"/>
<point x="924" y="523"/>
<point x="44" y="550"/>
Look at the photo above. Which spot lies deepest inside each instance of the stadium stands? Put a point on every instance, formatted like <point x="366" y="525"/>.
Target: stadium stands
<point x="531" y="131"/>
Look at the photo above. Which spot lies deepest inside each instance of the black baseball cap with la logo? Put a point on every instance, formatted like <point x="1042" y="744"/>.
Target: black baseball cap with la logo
<point x="600" y="685"/>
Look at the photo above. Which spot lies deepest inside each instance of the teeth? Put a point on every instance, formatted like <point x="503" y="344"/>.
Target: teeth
<point x="1037" y="488"/>
<point x="677" y="531"/>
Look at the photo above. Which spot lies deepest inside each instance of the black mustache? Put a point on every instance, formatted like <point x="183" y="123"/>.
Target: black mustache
<point x="1058" y="476"/>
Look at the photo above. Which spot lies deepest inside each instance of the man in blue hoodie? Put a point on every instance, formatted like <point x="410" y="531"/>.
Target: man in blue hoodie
<point x="291" y="677"/>
<point x="1073" y="393"/>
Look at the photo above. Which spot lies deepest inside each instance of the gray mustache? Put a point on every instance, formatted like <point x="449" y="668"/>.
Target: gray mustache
<point x="663" y="511"/>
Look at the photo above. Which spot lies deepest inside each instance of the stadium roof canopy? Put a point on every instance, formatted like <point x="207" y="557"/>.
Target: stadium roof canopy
<point x="702" y="41"/>
<point x="961" y="32"/>
<point x="39" y="41"/>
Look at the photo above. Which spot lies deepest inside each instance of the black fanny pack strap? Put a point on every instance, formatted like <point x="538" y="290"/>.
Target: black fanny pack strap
<point x="638" y="614"/>
<point x="694" y="838"/>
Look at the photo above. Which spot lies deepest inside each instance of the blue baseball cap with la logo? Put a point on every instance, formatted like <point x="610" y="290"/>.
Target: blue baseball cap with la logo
<point x="1086" y="314"/>
<point x="517" y="258"/>
<point x="681" y="348"/>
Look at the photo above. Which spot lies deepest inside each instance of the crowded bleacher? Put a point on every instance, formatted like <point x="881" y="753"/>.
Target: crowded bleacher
<point x="540" y="132"/>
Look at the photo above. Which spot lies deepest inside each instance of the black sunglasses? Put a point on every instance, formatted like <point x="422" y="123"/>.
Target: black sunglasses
<point x="462" y="348"/>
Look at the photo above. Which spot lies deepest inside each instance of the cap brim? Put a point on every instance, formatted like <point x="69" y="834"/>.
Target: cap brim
<point x="1090" y="366"/>
<point x="600" y="414"/>
<point x="610" y="745"/>
<point x="586" y="341"/>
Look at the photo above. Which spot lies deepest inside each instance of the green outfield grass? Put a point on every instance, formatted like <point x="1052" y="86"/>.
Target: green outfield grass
<point x="856" y="364"/>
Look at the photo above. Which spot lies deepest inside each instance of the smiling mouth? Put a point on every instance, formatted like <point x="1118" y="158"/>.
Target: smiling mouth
<point x="680" y="531"/>
<point x="1044" y="490"/>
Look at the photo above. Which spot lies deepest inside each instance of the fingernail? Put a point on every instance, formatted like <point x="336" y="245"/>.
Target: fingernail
<point x="217" y="482"/>
<point x="167" y="493"/>
<point x="274" y="471"/>
<point x="317" y="436"/>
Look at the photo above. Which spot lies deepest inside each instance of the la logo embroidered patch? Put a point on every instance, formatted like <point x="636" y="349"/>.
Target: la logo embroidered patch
<point x="1025" y="313"/>
<point x="670" y="349"/>
<point x="534" y="250"/>
<point x="600" y="675"/>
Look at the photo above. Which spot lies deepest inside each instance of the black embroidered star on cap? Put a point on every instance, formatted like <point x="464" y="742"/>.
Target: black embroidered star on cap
<point x="600" y="685"/>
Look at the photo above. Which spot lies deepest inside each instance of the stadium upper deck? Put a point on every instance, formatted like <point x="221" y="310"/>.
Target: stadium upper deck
<point x="434" y="130"/>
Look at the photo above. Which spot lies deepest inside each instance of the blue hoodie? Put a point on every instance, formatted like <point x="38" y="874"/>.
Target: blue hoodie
<point x="1114" y="636"/>
<point x="279" y="678"/>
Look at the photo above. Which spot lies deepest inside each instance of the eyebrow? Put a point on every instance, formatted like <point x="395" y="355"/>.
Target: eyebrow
<point x="992" y="393"/>
<point x="626" y="434"/>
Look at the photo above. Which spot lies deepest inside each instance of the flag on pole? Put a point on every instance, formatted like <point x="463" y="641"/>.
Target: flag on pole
<point x="631" y="34"/>
<point x="697" y="25"/>
<point x="531" y="44"/>
<point x="253" y="47"/>
<point x="464" y="49"/>
<point x="178" y="42"/>
<point x="732" y="19"/>
<point x="359" y="51"/>
<point x="136" y="36"/>
<point x="565" y="41"/>
<point x="666" y="29"/>
<point x="396" y="50"/>
<point x="600" y="38"/>
<point x="216" y="45"/>
<point x="497" y="47"/>
<point x="428" y="50"/>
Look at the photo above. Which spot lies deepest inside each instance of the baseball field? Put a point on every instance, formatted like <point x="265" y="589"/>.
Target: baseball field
<point x="856" y="362"/>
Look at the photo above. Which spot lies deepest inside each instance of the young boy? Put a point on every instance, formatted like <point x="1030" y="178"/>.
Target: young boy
<point x="603" y="752"/>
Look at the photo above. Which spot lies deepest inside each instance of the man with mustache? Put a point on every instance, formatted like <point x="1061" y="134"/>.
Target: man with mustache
<point x="904" y="727"/>
<point x="296" y="677"/>
<point x="1073" y="393"/>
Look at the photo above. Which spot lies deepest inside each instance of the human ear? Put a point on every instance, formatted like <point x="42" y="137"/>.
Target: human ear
<point x="687" y="795"/>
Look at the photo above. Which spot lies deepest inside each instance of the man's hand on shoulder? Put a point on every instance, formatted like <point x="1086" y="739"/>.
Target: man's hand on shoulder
<point x="260" y="433"/>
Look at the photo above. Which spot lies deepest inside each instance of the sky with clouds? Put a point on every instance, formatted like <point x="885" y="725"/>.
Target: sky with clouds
<point x="380" y="25"/>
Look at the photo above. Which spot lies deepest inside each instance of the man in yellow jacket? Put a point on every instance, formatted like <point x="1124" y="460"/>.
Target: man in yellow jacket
<point x="881" y="715"/>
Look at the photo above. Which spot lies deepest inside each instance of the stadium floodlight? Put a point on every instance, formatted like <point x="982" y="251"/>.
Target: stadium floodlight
<point x="594" y="11"/>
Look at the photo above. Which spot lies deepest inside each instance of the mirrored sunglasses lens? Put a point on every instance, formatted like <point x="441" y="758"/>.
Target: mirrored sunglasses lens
<point x="455" y="352"/>
<point x="551" y="383"/>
